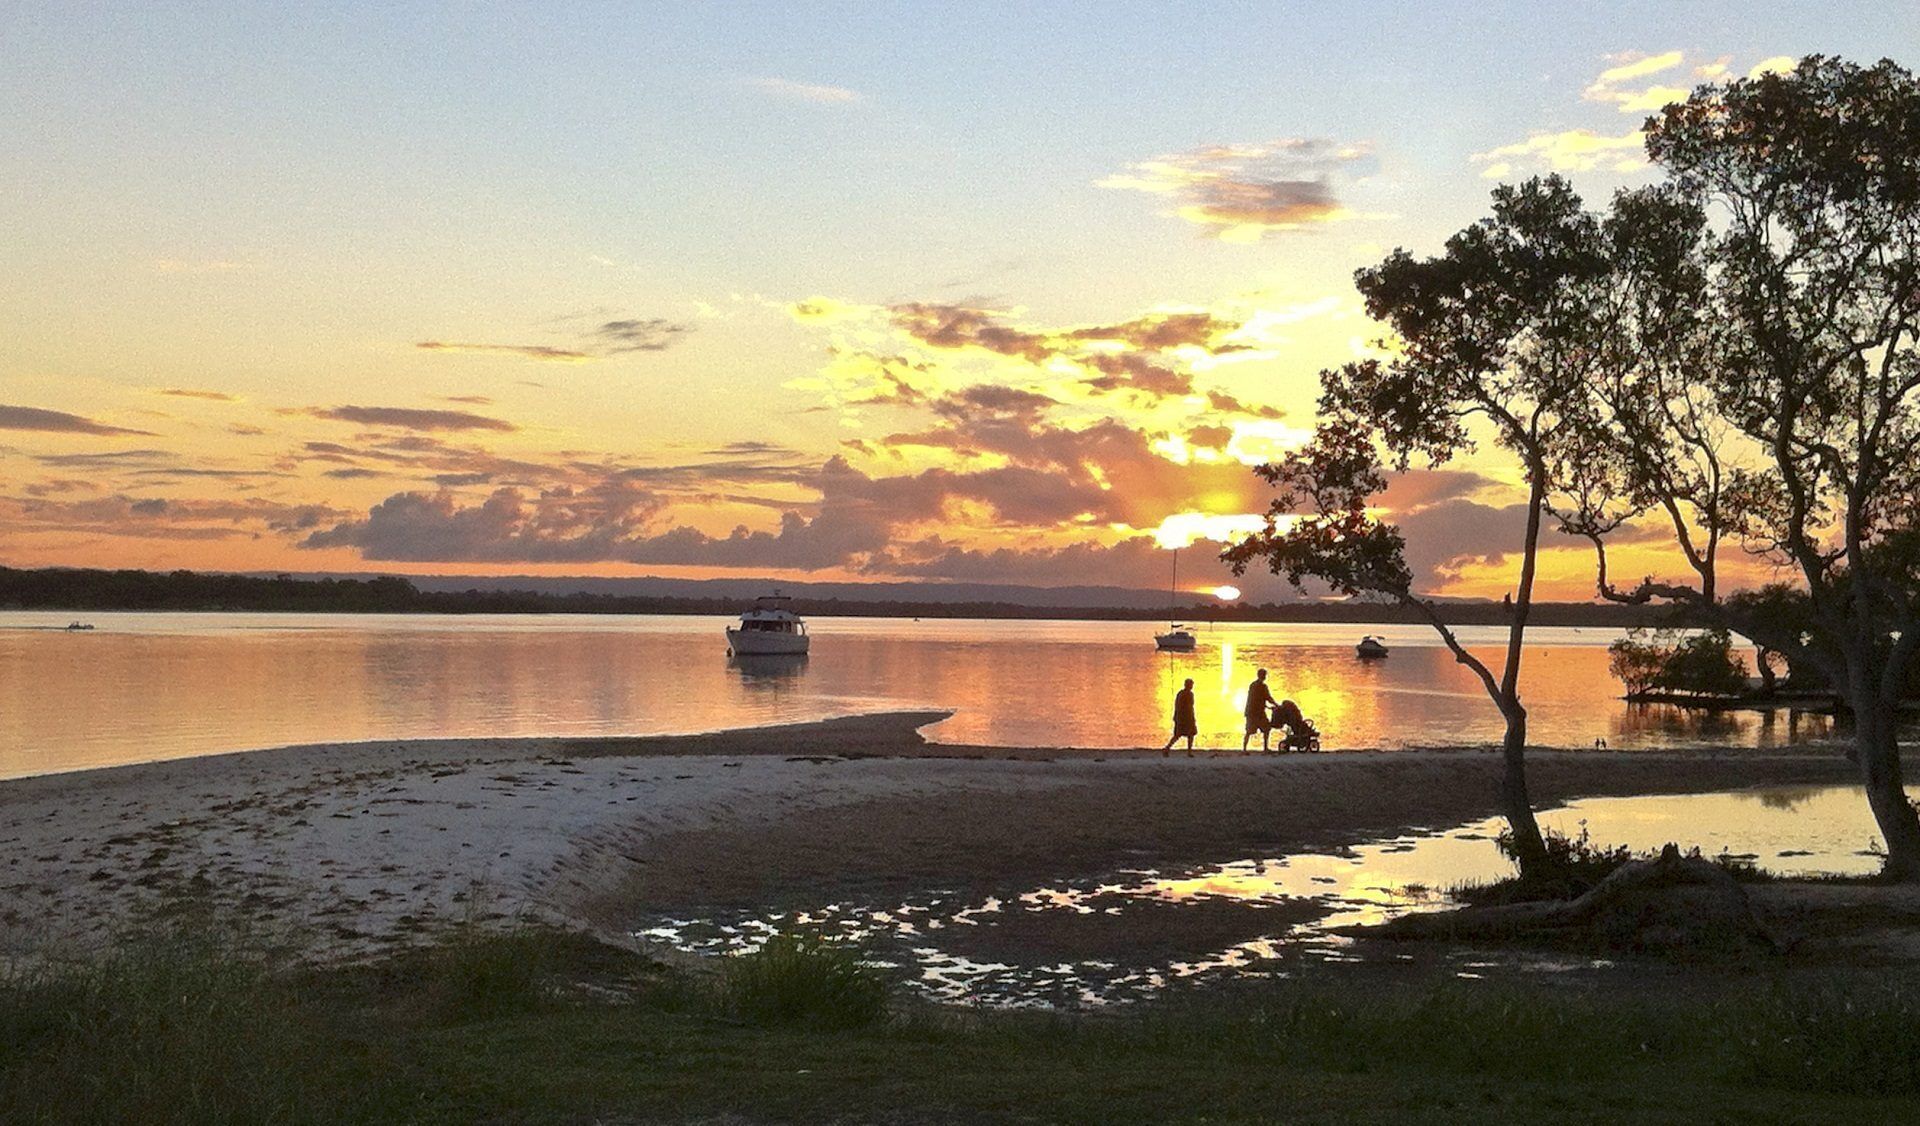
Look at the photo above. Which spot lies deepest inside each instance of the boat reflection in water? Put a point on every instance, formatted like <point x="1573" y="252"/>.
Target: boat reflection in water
<point x="768" y="666"/>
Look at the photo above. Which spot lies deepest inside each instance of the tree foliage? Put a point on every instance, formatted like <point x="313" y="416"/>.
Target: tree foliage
<point x="1670" y="660"/>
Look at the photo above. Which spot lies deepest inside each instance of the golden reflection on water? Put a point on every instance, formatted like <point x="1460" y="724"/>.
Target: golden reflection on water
<point x="146" y="686"/>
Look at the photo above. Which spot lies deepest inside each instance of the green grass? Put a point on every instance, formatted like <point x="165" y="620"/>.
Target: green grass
<point x="539" y="1026"/>
<point x="803" y="979"/>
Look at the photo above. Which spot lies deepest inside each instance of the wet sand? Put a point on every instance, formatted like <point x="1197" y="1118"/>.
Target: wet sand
<point x="341" y="849"/>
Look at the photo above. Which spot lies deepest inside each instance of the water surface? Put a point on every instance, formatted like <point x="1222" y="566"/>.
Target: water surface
<point x="152" y="686"/>
<point x="1127" y="935"/>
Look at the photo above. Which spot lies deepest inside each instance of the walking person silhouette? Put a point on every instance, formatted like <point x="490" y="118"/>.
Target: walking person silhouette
<point x="1259" y="699"/>
<point x="1184" y="724"/>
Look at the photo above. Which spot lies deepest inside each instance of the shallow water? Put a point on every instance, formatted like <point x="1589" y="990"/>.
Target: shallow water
<point x="1131" y="934"/>
<point x="153" y="686"/>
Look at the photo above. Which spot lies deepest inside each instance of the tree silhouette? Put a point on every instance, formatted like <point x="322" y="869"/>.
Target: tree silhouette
<point x="1763" y="382"/>
<point x="1493" y="339"/>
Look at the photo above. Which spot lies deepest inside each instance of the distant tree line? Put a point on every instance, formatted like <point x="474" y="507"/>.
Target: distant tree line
<point x="71" y="589"/>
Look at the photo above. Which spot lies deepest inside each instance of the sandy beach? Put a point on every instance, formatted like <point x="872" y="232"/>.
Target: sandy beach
<point x="345" y="848"/>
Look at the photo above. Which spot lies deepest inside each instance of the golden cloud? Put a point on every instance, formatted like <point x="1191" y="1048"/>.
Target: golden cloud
<point x="1574" y="150"/>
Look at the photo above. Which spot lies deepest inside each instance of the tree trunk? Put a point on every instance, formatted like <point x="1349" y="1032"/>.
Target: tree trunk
<point x="1529" y="848"/>
<point x="1877" y="750"/>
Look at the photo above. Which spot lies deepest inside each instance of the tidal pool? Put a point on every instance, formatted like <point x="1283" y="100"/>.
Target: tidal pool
<point x="1128" y="934"/>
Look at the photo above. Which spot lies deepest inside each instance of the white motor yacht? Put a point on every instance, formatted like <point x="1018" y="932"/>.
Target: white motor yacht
<point x="1370" y="649"/>
<point x="770" y="628"/>
<point x="1179" y="639"/>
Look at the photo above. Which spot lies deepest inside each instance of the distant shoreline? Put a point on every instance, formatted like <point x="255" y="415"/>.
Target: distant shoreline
<point x="79" y="591"/>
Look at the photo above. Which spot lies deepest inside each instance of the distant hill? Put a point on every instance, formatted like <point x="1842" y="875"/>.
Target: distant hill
<point x="74" y="589"/>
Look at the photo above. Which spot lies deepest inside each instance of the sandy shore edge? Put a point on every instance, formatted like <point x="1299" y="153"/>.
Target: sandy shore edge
<point x="350" y="847"/>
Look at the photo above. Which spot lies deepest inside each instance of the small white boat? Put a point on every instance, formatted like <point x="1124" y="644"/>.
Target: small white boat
<point x="1370" y="648"/>
<point x="771" y="628"/>
<point x="1179" y="639"/>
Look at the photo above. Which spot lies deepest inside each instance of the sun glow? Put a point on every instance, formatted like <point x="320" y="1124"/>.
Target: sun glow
<point x="1226" y="593"/>
<point x="1183" y="528"/>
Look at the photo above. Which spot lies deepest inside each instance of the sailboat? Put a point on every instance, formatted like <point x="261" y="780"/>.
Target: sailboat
<point x="1178" y="639"/>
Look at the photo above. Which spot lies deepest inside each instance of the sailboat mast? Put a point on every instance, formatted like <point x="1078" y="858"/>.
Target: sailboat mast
<point x="1173" y="589"/>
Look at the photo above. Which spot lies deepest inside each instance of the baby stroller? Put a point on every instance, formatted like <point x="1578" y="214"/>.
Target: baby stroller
<point x="1297" y="732"/>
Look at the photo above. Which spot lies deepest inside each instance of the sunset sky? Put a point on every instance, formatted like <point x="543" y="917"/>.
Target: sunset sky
<point x="839" y="291"/>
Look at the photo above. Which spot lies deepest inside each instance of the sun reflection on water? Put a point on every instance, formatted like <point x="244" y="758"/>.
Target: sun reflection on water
<point x="1285" y="909"/>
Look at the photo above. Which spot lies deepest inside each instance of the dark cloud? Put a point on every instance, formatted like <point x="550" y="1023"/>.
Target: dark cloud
<point x="164" y="518"/>
<point x="1243" y="192"/>
<point x="958" y="326"/>
<point x="59" y="422"/>
<point x="1111" y="467"/>
<point x="530" y="351"/>
<point x="1139" y="364"/>
<point x="1267" y="203"/>
<point x="993" y="401"/>
<point x="195" y="393"/>
<point x="408" y="418"/>
<point x="650" y="335"/>
<point x="558" y="525"/>
<point x="753" y="449"/>
<point x="110" y="459"/>
<point x="1158" y="332"/>
<point x="1229" y="404"/>
<point x="1137" y="562"/>
<point x="1445" y="537"/>
<point x="1418" y="488"/>
<point x="204" y="471"/>
<point x="1134" y="371"/>
<point x="606" y="338"/>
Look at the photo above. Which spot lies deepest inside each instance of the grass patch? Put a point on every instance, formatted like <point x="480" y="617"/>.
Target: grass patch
<point x="797" y="978"/>
<point x="1831" y="1038"/>
<point x="543" y="1026"/>
<point x="173" y="1029"/>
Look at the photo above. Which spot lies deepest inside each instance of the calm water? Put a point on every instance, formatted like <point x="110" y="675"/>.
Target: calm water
<point x="1244" y="918"/>
<point x="151" y="686"/>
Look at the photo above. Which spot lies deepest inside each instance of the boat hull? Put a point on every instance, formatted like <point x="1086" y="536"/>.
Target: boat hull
<point x="766" y="643"/>
<point x="1175" y="643"/>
